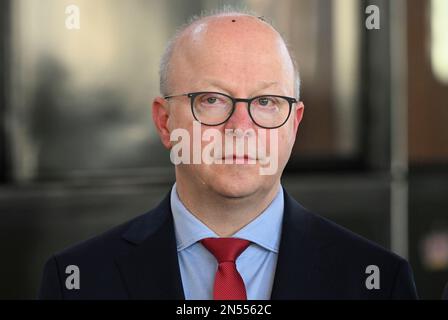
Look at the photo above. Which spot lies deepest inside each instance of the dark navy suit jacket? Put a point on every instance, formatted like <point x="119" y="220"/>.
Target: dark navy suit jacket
<point x="317" y="260"/>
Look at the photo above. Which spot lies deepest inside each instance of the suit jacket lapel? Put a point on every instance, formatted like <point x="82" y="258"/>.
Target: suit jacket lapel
<point x="150" y="268"/>
<point x="299" y="260"/>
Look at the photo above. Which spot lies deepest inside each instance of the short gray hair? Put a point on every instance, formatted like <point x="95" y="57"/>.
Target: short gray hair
<point x="226" y="10"/>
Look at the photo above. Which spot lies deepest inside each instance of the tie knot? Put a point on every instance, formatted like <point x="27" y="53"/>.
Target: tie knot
<point x="225" y="249"/>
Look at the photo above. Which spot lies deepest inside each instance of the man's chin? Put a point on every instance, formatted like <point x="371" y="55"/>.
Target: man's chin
<point x="234" y="188"/>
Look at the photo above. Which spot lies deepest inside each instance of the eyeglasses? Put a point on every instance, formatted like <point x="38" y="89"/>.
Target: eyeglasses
<point x="215" y="108"/>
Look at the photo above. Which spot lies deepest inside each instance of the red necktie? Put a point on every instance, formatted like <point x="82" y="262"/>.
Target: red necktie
<point x="228" y="282"/>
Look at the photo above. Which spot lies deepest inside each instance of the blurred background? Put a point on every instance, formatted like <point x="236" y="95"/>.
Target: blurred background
<point x="79" y="153"/>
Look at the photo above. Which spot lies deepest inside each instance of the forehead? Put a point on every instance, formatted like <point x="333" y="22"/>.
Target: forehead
<point x="229" y="25"/>
<point x="239" y="47"/>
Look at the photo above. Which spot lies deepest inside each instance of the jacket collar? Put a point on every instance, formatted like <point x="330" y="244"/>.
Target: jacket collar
<point x="150" y="268"/>
<point x="302" y="266"/>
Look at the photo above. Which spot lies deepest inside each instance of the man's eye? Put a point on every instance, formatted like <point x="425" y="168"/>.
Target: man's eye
<point x="211" y="100"/>
<point x="263" y="101"/>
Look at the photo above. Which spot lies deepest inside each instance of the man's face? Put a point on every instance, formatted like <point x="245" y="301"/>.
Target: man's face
<point x="241" y="57"/>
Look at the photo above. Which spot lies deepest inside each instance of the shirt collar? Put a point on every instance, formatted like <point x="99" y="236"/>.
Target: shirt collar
<point x="264" y="230"/>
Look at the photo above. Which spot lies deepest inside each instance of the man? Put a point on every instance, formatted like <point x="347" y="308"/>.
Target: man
<point x="228" y="230"/>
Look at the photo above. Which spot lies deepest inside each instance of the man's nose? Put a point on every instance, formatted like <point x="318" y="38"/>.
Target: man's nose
<point x="240" y="118"/>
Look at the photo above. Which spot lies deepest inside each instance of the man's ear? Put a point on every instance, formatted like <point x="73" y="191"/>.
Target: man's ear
<point x="160" y="116"/>
<point x="298" y="115"/>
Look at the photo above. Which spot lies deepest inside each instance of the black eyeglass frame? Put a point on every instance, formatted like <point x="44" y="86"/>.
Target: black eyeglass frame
<point x="193" y="95"/>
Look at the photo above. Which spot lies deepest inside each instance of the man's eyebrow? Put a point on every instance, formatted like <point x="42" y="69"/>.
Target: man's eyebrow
<point x="265" y="85"/>
<point x="222" y="85"/>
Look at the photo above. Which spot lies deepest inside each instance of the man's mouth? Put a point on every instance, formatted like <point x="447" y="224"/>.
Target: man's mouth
<point x="239" y="159"/>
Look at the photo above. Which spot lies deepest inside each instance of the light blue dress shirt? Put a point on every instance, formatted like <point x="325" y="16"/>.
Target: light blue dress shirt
<point x="256" y="264"/>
